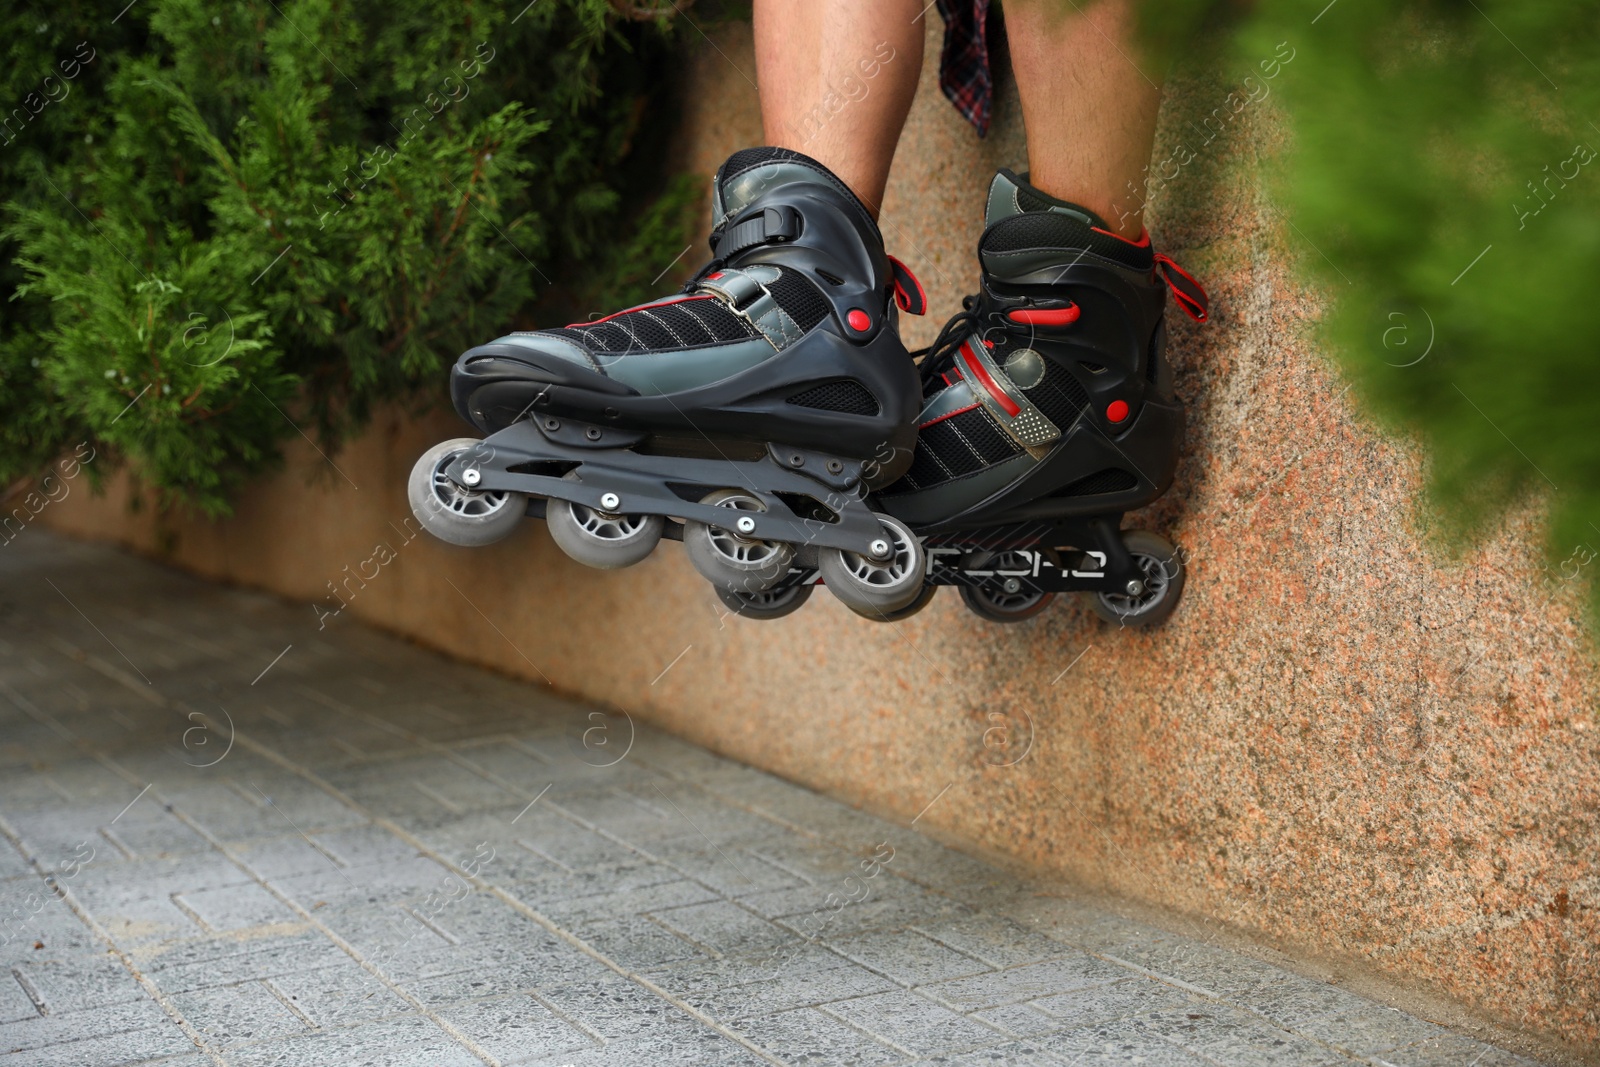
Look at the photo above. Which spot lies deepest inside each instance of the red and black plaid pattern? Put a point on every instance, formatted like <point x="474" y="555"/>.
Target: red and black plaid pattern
<point x="964" y="64"/>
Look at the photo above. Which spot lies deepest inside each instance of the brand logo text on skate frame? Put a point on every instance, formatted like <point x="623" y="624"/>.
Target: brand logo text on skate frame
<point x="54" y="488"/>
<point x="851" y="90"/>
<point x="1158" y="174"/>
<point x="471" y="68"/>
<point x="352" y="583"/>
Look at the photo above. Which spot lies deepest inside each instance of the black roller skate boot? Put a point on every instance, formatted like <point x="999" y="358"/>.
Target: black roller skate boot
<point x="749" y="415"/>
<point x="1048" y="411"/>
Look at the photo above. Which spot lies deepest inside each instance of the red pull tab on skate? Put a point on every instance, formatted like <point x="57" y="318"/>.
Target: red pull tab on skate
<point x="1045" y="316"/>
<point x="907" y="290"/>
<point x="1188" y="292"/>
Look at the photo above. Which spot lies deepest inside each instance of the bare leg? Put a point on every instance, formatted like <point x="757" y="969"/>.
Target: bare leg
<point x="837" y="78"/>
<point x="1088" y="102"/>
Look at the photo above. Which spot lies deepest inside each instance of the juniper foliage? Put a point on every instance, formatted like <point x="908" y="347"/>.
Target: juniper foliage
<point x="230" y="223"/>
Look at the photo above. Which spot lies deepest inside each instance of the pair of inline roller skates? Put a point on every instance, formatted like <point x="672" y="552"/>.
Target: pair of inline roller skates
<point x="769" y="417"/>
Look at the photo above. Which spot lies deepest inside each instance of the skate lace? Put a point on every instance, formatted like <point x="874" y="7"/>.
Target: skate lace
<point x="939" y="356"/>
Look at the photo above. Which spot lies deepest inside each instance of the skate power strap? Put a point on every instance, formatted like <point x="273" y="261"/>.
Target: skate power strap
<point x="745" y="291"/>
<point x="1001" y="397"/>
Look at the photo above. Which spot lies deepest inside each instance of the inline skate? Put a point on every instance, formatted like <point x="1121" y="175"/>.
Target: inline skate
<point x="1048" y="411"/>
<point x="750" y="415"/>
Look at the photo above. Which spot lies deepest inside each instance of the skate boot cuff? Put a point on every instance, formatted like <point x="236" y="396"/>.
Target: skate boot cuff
<point x="750" y="172"/>
<point x="1019" y="216"/>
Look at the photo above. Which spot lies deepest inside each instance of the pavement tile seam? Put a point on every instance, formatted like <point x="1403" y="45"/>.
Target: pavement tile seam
<point x="952" y="893"/>
<point x="824" y="1009"/>
<point x="531" y="913"/>
<point x="350" y="949"/>
<point x="64" y="891"/>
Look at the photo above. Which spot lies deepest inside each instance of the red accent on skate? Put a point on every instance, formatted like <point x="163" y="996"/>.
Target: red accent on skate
<point x="713" y="277"/>
<point x="1045" y="316"/>
<point x="988" y="344"/>
<point x="1008" y="405"/>
<point x="859" y="320"/>
<point x="1117" y="410"/>
<point x="949" y="415"/>
<point x="638" y="307"/>
<point x="1190" y="294"/>
<point x="915" y="305"/>
<point x="1142" y="242"/>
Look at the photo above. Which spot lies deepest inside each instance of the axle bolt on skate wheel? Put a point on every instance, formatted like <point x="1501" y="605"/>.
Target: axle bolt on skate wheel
<point x="727" y="555"/>
<point x="610" y="501"/>
<point x="592" y="434"/>
<point x="1134" y="587"/>
<point x="880" y="548"/>
<point x="1011" y="585"/>
<point x="453" y="511"/>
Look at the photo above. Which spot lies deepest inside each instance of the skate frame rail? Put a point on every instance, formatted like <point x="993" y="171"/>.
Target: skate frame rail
<point x="641" y="484"/>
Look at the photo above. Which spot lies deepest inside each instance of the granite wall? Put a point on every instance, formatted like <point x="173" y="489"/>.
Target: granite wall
<point x="1344" y="740"/>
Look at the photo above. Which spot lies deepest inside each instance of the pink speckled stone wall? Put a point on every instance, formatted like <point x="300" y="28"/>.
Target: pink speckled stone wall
<point x="1343" y="740"/>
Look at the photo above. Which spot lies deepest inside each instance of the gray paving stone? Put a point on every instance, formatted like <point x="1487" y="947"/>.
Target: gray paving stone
<point x="341" y="995"/>
<point x="229" y="1016"/>
<point x="516" y="1028"/>
<point x="43" y="1031"/>
<point x="407" y="1041"/>
<point x="738" y="894"/>
<point x="219" y="961"/>
<point x="811" y="1038"/>
<point x="908" y="957"/>
<point x="615" y="1008"/>
<point x="636" y="943"/>
<point x="914" y="1023"/>
<point x="1024" y="1053"/>
<point x="15" y="1003"/>
<point x="786" y="990"/>
<point x="1450" y="1050"/>
<point x="1103" y="1004"/>
<point x="1030" y="982"/>
<point x="1292" y="999"/>
<point x="78" y="983"/>
<point x="1376" y="1029"/>
<point x="1020" y="1020"/>
<point x="136" y="1046"/>
<point x="236" y="907"/>
<point x="1228" y="1035"/>
<point x="997" y="941"/>
<point x="725" y="928"/>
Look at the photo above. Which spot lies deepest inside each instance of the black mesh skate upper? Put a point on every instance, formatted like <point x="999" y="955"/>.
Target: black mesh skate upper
<point x="968" y="442"/>
<point x="695" y="322"/>
<point x="1052" y="230"/>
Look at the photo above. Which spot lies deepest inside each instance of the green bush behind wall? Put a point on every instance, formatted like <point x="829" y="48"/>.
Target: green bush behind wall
<point x="229" y="223"/>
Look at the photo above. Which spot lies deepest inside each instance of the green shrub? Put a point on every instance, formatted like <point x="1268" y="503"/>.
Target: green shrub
<point x="1441" y="177"/>
<point x="237" y="222"/>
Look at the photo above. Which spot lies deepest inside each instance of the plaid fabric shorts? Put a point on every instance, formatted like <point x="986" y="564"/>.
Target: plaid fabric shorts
<point x="964" y="64"/>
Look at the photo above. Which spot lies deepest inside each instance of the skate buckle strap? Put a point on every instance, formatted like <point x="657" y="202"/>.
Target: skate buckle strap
<point x="745" y="291"/>
<point x="772" y="224"/>
<point x="1188" y="292"/>
<point x="1001" y="397"/>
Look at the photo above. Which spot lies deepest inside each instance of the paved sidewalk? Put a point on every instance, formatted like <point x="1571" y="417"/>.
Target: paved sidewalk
<point x="232" y="839"/>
